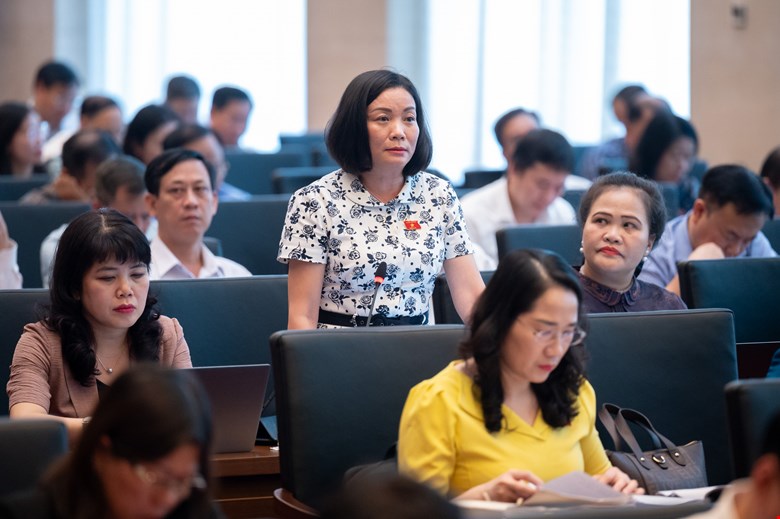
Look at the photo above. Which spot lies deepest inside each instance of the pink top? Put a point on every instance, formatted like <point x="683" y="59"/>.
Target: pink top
<point x="39" y="374"/>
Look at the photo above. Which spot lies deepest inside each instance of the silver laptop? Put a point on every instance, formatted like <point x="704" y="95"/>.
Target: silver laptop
<point x="237" y="394"/>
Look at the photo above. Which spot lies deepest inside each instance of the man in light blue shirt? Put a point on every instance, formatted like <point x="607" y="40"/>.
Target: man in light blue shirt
<point x="725" y="222"/>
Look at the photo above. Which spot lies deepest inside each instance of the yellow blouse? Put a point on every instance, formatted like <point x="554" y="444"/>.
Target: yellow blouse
<point x="443" y="441"/>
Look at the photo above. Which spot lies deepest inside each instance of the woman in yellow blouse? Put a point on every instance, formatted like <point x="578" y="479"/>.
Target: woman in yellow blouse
<point x="517" y="411"/>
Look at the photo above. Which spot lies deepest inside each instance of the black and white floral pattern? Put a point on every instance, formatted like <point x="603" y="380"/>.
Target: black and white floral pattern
<point x="337" y="222"/>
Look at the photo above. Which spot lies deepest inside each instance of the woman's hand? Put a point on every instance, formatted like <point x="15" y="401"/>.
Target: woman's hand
<point x="620" y="481"/>
<point x="508" y="487"/>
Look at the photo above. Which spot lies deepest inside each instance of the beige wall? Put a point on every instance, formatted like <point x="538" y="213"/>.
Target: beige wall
<point x="735" y="81"/>
<point x="26" y="40"/>
<point x="345" y="37"/>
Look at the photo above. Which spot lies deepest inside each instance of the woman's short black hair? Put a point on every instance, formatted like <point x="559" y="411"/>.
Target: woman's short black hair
<point x="12" y="115"/>
<point x="347" y="132"/>
<point x="770" y="170"/>
<point x="663" y="130"/>
<point x="147" y="413"/>
<point x="93" y="237"/>
<point x="520" y="280"/>
<point x="647" y="189"/>
<point x="145" y="122"/>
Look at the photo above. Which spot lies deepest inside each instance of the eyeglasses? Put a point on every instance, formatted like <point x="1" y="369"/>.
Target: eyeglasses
<point x="572" y="337"/>
<point x="179" y="486"/>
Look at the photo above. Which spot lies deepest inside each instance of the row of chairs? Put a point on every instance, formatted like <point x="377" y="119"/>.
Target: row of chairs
<point x="746" y="286"/>
<point x="225" y="321"/>
<point x="252" y="309"/>
<point x="247" y="232"/>
<point x="340" y="392"/>
<point x="340" y="395"/>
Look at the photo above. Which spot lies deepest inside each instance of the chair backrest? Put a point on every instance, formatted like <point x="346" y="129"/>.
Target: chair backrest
<point x="747" y="286"/>
<point x="312" y="144"/>
<point x="750" y="404"/>
<point x="563" y="239"/>
<point x="580" y="150"/>
<point x="474" y="179"/>
<point x="13" y="188"/>
<point x="441" y="301"/>
<point x="772" y="232"/>
<point x="28" y="225"/>
<point x="574" y="196"/>
<point x="289" y="180"/>
<point x="671" y="366"/>
<point x="227" y="321"/>
<point x="17" y="308"/>
<point x="340" y="394"/>
<point x="250" y="231"/>
<point x="213" y="244"/>
<point x="27" y="449"/>
<point x="251" y="171"/>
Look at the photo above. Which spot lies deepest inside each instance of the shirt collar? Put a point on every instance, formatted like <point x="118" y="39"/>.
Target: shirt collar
<point x="609" y="296"/>
<point x="354" y="190"/>
<point x="468" y="400"/>
<point x="165" y="262"/>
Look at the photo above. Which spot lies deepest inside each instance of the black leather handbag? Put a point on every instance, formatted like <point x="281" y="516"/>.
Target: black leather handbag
<point x="665" y="467"/>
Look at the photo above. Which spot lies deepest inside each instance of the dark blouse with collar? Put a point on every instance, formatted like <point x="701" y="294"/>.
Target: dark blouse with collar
<point x="642" y="296"/>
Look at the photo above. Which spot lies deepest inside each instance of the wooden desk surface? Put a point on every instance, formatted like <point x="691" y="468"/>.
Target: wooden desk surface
<point x="259" y="461"/>
<point x="245" y="482"/>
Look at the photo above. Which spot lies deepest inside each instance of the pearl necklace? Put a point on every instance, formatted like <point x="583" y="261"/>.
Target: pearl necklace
<point x="109" y="370"/>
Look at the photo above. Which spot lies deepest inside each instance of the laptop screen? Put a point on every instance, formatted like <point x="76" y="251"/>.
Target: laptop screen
<point x="237" y="394"/>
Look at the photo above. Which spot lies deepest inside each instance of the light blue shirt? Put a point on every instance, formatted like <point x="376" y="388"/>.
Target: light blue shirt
<point x="675" y="245"/>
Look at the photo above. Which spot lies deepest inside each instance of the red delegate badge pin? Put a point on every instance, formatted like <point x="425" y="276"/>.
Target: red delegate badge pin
<point x="412" y="225"/>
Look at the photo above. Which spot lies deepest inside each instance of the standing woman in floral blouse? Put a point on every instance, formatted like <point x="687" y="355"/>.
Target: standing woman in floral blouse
<point x="379" y="207"/>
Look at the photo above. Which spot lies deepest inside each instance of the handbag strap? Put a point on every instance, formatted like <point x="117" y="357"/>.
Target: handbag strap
<point x="627" y="435"/>
<point x="605" y="416"/>
<point x="634" y="416"/>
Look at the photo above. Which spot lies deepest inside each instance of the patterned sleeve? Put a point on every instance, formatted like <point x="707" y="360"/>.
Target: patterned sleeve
<point x="456" y="240"/>
<point x="305" y="231"/>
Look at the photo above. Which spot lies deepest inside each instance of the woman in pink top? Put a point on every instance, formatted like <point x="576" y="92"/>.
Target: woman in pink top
<point x="100" y="321"/>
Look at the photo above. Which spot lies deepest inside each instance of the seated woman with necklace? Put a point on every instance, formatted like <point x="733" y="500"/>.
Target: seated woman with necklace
<point x="100" y="321"/>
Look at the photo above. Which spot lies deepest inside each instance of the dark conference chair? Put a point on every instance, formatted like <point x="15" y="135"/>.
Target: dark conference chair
<point x="751" y="404"/>
<point x="671" y="366"/>
<point x="747" y="286"/>
<point x="772" y="232"/>
<point x="563" y="239"/>
<point x="27" y="449"/>
<point x="28" y="225"/>
<point x="227" y="321"/>
<point x="213" y="244"/>
<point x="14" y="188"/>
<point x="573" y="196"/>
<point x="252" y="171"/>
<point x="312" y="144"/>
<point x="17" y="308"/>
<point x="441" y="302"/>
<point x="289" y="180"/>
<point x="250" y="231"/>
<point x="340" y="394"/>
<point x="477" y="178"/>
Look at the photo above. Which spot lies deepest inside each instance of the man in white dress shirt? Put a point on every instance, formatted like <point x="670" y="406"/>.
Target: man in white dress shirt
<point x="530" y="193"/>
<point x="180" y="195"/>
